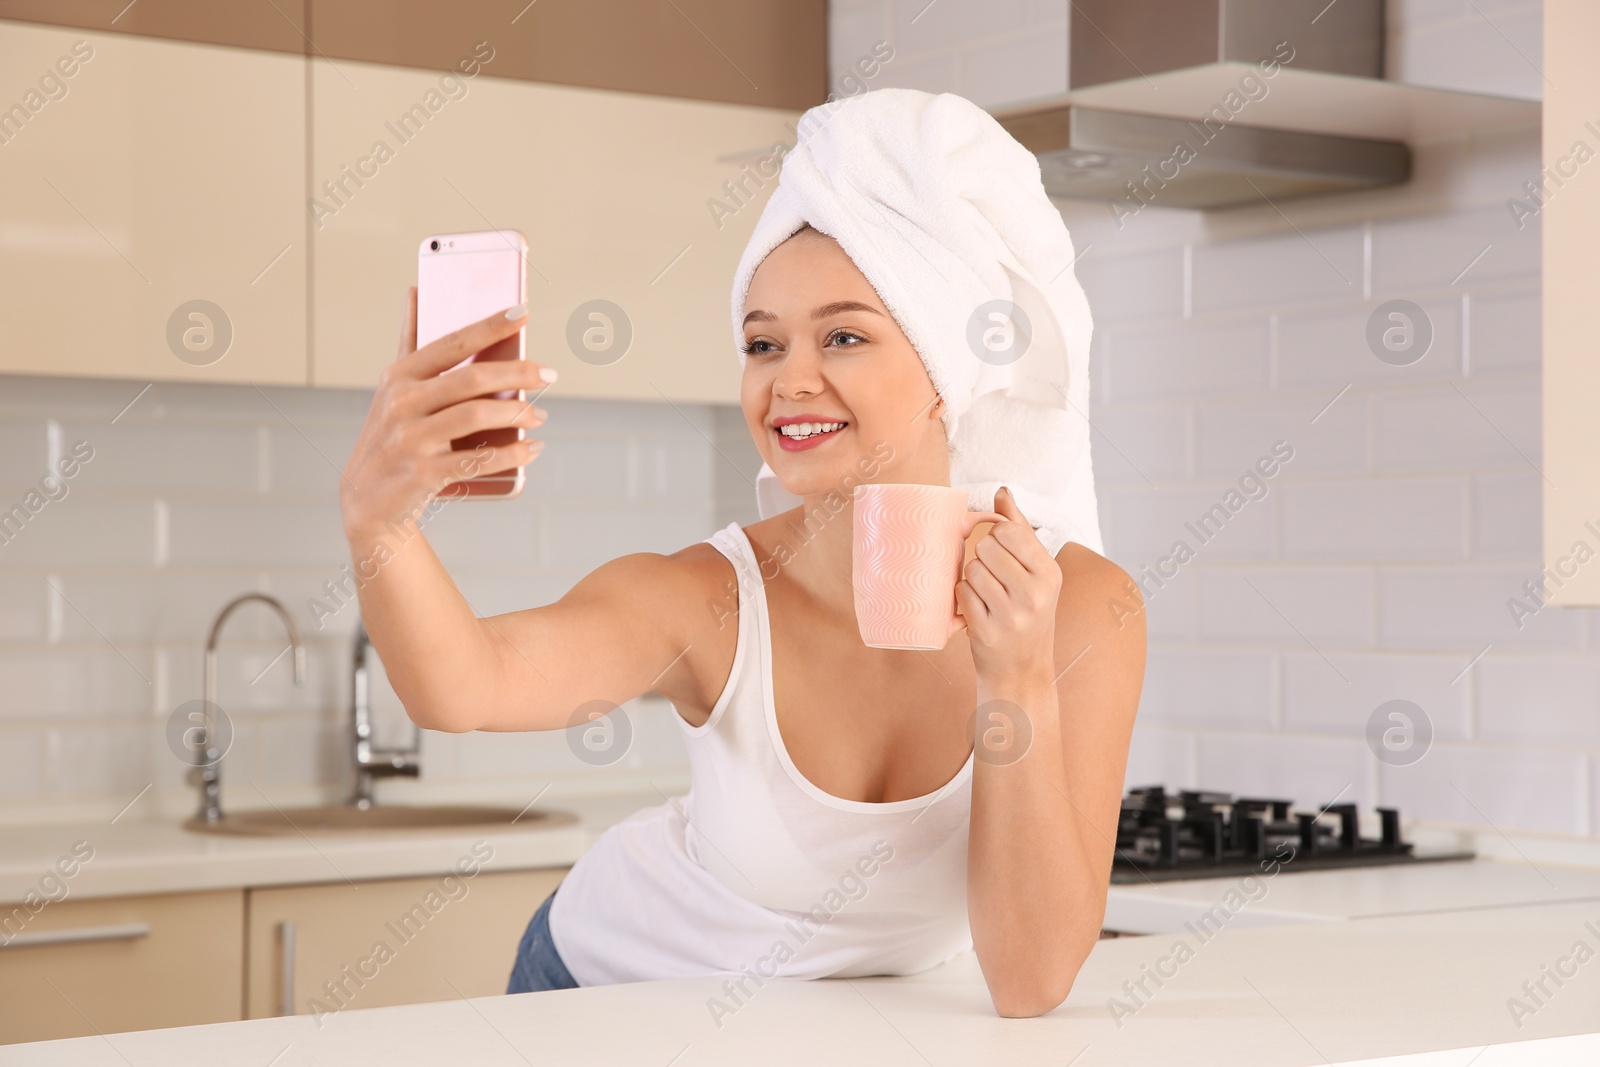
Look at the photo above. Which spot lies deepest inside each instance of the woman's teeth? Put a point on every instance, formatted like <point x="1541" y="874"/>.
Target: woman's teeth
<point x="808" y="429"/>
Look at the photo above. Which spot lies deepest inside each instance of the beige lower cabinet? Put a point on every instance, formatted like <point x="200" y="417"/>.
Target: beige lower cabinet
<point x="319" y="949"/>
<point x="80" y="967"/>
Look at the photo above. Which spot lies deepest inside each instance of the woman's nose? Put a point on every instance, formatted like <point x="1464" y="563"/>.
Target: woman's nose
<point x="801" y="372"/>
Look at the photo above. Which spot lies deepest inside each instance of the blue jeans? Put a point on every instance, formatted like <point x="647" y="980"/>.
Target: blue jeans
<point x="539" y="965"/>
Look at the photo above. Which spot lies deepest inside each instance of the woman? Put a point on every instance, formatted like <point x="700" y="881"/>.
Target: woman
<point x="854" y="810"/>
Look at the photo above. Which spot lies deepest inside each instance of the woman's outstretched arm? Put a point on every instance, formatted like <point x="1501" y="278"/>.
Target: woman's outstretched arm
<point x="609" y="638"/>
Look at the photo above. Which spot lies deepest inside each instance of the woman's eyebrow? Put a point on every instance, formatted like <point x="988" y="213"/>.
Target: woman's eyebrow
<point x="836" y="308"/>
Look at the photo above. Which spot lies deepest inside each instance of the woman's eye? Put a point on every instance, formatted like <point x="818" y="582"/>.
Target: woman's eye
<point x="840" y="334"/>
<point x="750" y="348"/>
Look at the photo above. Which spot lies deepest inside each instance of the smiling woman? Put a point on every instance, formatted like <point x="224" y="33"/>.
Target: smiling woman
<point x="980" y="782"/>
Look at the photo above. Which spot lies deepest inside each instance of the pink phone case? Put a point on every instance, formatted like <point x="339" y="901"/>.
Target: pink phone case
<point x="461" y="278"/>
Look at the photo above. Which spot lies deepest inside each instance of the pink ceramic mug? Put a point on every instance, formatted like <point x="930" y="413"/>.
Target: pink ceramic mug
<point x="906" y="554"/>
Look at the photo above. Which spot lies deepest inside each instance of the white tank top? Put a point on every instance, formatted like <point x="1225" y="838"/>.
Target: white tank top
<point x="758" y="871"/>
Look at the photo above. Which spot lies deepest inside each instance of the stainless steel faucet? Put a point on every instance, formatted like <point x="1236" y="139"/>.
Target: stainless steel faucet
<point x="373" y="762"/>
<point x="210" y="778"/>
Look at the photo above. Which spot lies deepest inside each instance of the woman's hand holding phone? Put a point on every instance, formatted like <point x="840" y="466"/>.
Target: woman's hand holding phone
<point x="403" y="457"/>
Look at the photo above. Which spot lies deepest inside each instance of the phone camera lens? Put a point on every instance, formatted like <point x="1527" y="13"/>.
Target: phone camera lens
<point x="434" y="245"/>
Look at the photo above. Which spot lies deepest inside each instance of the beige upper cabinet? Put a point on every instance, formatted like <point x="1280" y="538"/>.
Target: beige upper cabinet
<point x="1571" y="226"/>
<point x="624" y="198"/>
<point x="138" y="176"/>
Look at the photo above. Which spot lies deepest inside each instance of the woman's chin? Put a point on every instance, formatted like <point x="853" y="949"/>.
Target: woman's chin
<point x="804" y="476"/>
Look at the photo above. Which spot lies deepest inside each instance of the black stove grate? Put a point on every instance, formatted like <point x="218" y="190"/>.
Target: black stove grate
<point x="1197" y="834"/>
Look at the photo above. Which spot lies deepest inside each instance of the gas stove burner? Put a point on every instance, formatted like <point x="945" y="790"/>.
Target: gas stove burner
<point x="1164" y="836"/>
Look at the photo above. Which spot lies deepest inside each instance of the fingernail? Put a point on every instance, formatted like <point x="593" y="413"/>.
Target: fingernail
<point x="547" y="374"/>
<point x="541" y="412"/>
<point x="513" y="314"/>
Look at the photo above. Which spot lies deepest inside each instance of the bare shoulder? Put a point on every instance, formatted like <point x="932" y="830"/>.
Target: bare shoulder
<point x="1101" y="647"/>
<point x="1098" y="598"/>
<point x="690" y="599"/>
<point x="683" y="589"/>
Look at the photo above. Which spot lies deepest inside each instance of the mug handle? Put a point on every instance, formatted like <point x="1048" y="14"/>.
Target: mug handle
<point x="969" y="522"/>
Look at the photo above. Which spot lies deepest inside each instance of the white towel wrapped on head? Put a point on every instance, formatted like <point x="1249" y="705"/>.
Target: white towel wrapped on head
<point x="945" y="214"/>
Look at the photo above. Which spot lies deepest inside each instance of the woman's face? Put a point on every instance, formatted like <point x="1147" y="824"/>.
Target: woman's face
<point x="820" y="344"/>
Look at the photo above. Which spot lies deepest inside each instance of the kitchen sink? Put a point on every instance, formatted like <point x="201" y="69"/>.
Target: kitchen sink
<point x="345" y="818"/>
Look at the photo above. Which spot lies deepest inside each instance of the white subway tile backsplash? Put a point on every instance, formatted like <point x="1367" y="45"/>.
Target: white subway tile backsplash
<point x="497" y="594"/>
<point x="518" y="755"/>
<point x="1339" y="692"/>
<point x="142" y="606"/>
<point x="585" y="536"/>
<point x="930" y="72"/>
<point x="22" y="763"/>
<point x="24" y="608"/>
<point x="1419" y="519"/>
<point x="1286" y="606"/>
<point x="1493" y="46"/>
<point x="920" y="28"/>
<point x="79" y="530"/>
<point x="1017" y="68"/>
<point x="1310" y="771"/>
<point x="1146" y="446"/>
<point x="1541" y="699"/>
<point x="1466" y="608"/>
<point x="853" y="29"/>
<point x="1169" y="602"/>
<point x="1278" y="271"/>
<point x="1507" y="787"/>
<point x="1507" y="516"/>
<point x="1160" y="756"/>
<point x="1147" y="525"/>
<point x="1506" y="333"/>
<point x="255" y="678"/>
<point x="246" y="532"/>
<point x="1474" y="426"/>
<point x="1210" y="686"/>
<point x="680" y="469"/>
<point x="82" y="681"/>
<point x="24" y="458"/>
<point x="1188" y="360"/>
<point x="1142" y="286"/>
<point x="135" y="457"/>
<point x="109" y="761"/>
<point x="570" y="466"/>
<point x="1404" y="15"/>
<point x="495" y="536"/>
<point x="1413" y="257"/>
<point x="199" y="493"/>
<point x="1326" y="438"/>
<point x="1328" y="349"/>
<point x="306" y="459"/>
<point x="299" y="750"/>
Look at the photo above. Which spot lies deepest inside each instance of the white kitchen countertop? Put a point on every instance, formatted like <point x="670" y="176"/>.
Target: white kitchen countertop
<point x="1289" y="996"/>
<point x="1354" y="893"/>
<point x="160" y="856"/>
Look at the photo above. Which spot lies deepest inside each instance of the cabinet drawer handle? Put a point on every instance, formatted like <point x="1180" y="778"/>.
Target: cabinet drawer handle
<point x="112" y="932"/>
<point x="286" y="980"/>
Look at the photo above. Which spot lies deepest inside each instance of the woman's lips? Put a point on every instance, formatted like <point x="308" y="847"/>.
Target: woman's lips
<point x="790" y="444"/>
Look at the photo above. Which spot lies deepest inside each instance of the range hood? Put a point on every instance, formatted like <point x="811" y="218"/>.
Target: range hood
<point x="1203" y="129"/>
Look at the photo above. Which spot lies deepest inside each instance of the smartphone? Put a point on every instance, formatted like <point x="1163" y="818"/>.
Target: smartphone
<point x="461" y="278"/>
